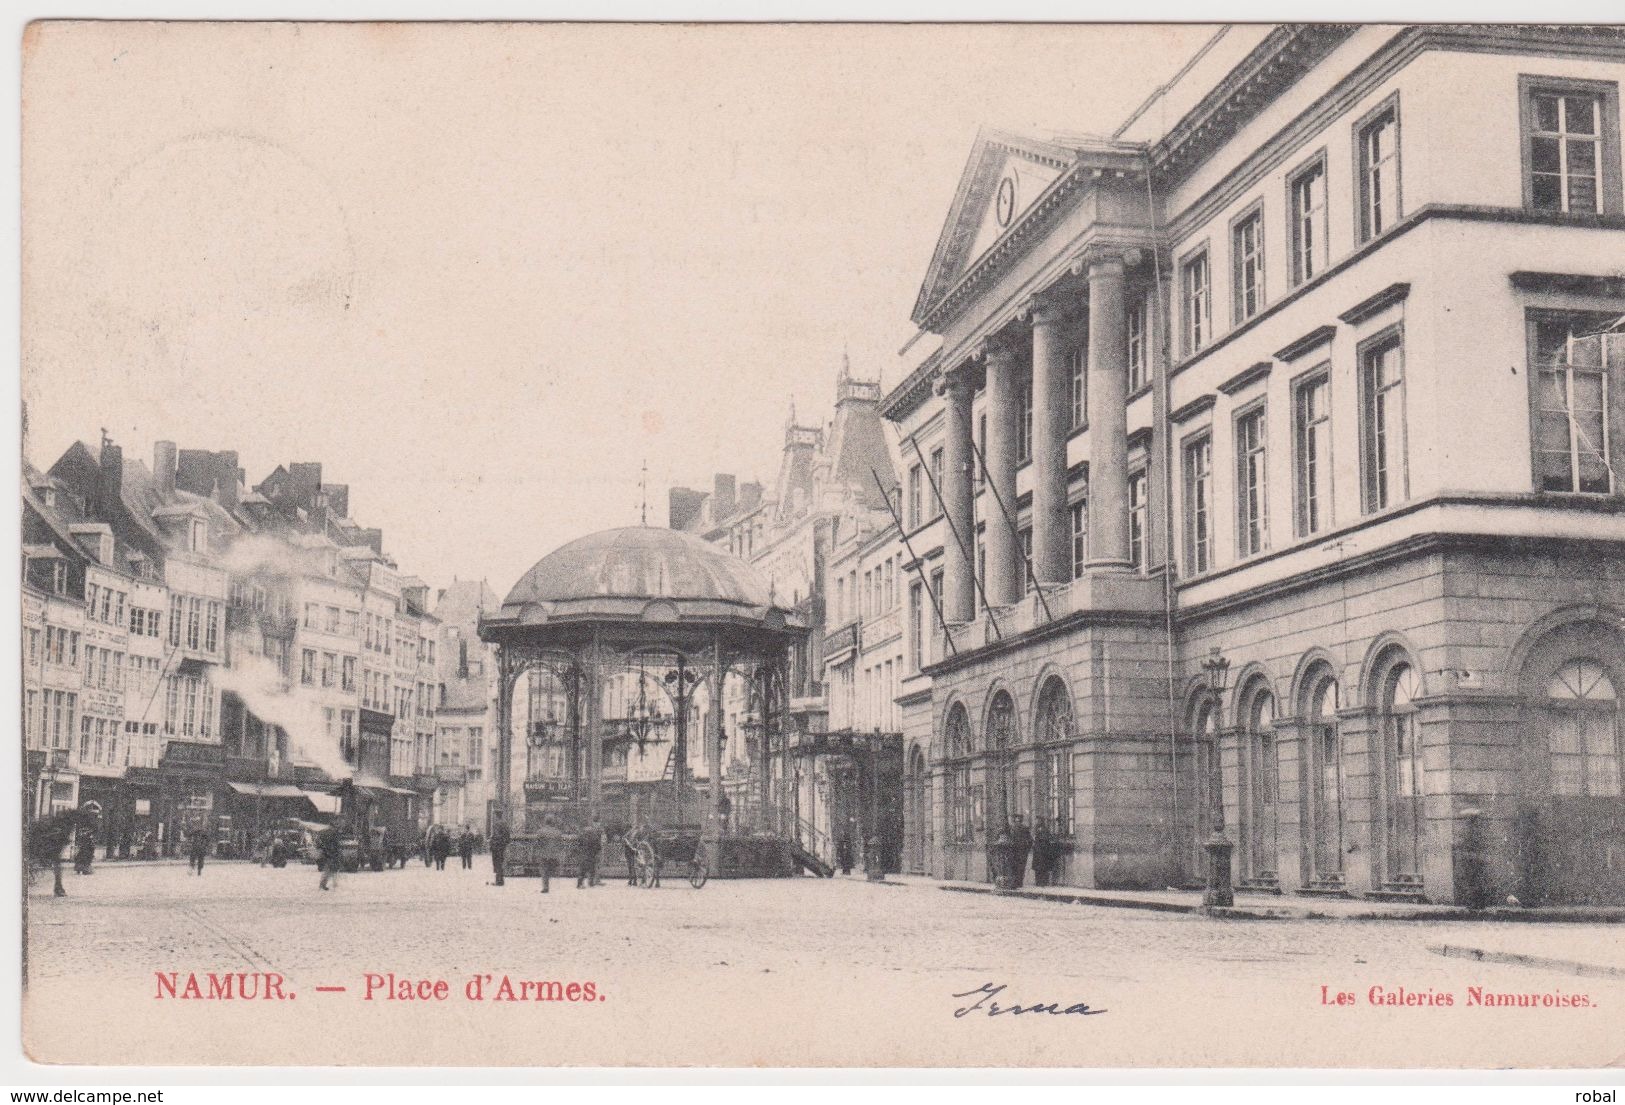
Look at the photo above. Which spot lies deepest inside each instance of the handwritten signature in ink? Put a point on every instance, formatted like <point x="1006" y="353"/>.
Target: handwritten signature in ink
<point x="984" y="1003"/>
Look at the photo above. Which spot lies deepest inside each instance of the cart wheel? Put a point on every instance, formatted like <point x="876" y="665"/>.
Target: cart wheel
<point x="697" y="874"/>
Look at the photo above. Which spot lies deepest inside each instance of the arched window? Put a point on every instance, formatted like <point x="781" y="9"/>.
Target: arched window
<point x="1199" y="791"/>
<point x="919" y="812"/>
<point x="958" y="736"/>
<point x="1001" y="767"/>
<point x="960" y="799"/>
<point x="1261" y="823"/>
<point x="1053" y="730"/>
<point x="1326" y="748"/>
<point x="1405" y="775"/>
<point x="1583" y="731"/>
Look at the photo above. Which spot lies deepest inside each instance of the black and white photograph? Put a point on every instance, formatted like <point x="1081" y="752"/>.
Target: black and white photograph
<point x="822" y="545"/>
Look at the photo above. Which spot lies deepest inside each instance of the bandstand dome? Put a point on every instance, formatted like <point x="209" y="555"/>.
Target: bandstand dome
<point x="641" y="573"/>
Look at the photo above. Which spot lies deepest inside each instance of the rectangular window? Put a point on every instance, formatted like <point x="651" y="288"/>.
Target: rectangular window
<point x="1026" y="537"/>
<point x="1252" y="489"/>
<point x="916" y="626"/>
<point x="1199" y="505"/>
<point x="1377" y="139"/>
<point x="1137" y="508"/>
<point x="1570" y="145"/>
<point x="1574" y="374"/>
<point x="1307" y="195"/>
<point x="1247" y="265"/>
<point x="1077" y="369"/>
<point x="211" y="638"/>
<point x="1080" y="536"/>
<point x="1196" y="302"/>
<point x="176" y="609"/>
<point x="307" y="667"/>
<point x="981" y="449"/>
<point x="1382" y="382"/>
<point x="349" y="674"/>
<point x="915" y="496"/>
<point x="1134" y="322"/>
<point x="926" y="654"/>
<point x="194" y="621"/>
<point x="1312" y="448"/>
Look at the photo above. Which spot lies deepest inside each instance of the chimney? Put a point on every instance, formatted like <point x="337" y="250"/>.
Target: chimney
<point x="750" y="495"/>
<point x="226" y="478"/>
<point x="163" y="468"/>
<point x="682" y="505"/>
<point x="110" y="485"/>
<point x="722" y="498"/>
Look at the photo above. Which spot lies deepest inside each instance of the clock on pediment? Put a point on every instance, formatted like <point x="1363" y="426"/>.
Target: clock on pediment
<point x="1004" y="200"/>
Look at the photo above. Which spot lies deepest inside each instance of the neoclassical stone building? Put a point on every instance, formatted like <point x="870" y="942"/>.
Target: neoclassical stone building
<point x="1264" y="462"/>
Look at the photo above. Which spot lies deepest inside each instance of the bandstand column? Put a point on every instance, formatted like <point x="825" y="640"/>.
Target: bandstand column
<point x="593" y="694"/>
<point x="506" y="683"/>
<point x="958" y="587"/>
<point x="711" y="831"/>
<point x="1052" y="419"/>
<point x="1004" y="561"/>
<point x="765" y="719"/>
<point x="1108" y="414"/>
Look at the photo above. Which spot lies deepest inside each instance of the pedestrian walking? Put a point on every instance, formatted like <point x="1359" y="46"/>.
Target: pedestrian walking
<point x="629" y="848"/>
<point x="329" y="857"/>
<point x="551" y="845"/>
<point x="198" y="849"/>
<point x="1021" y="847"/>
<point x="465" y="847"/>
<point x="499" y="848"/>
<point x="998" y="856"/>
<point x="84" y="849"/>
<point x="843" y="854"/>
<point x="441" y="847"/>
<point x="586" y="854"/>
<point x="1043" y="854"/>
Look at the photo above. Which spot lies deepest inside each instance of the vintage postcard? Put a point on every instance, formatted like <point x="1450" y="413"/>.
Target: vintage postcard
<point x="823" y="545"/>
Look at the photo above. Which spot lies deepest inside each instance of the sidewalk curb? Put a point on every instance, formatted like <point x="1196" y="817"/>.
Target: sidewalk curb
<point x="1517" y="959"/>
<point x="1553" y="914"/>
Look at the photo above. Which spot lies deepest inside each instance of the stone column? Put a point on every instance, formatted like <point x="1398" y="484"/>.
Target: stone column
<point x="958" y="588"/>
<point x="1108" y="416"/>
<point x="1004" y="566"/>
<point x="1052" y="423"/>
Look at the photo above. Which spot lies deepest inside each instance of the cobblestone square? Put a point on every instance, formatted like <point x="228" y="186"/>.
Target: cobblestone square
<point x="799" y="972"/>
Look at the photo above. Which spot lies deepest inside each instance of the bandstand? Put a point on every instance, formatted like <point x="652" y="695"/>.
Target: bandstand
<point x="675" y="617"/>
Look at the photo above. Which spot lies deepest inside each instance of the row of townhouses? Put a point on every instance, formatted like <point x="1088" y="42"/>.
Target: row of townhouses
<point x="1254" y="471"/>
<point x="198" y="653"/>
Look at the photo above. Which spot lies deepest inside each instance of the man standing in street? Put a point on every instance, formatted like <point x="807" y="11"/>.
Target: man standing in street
<point x="1043" y="849"/>
<point x="551" y="844"/>
<point x="198" y="848"/>
<point x="465" y="847"/>
<point x="1021" y="846"/>
<point x="329" y="856"/>
<point x="499" y="847"/>
<point x="586" y="854"/>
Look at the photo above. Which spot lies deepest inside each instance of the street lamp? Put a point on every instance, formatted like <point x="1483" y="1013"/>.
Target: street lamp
<point x="1218" y="890"/>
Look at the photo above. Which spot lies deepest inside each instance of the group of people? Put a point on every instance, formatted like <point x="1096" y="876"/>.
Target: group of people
<point x="437" y="844"/>
<point x="1015" y="844"/>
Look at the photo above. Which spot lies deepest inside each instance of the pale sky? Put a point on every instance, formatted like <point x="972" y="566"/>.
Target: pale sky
<point x="483" y="272"/>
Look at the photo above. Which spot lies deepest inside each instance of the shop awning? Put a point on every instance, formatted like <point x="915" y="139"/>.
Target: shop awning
<point x="324" y="803"/>
<point x="268" y="790"/>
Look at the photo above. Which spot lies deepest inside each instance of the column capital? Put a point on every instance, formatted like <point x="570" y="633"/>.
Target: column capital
<point x="1049" y="307"/>
<point x="954" y="380"/>
<point x="997" y="346"/>
<point x="1106" y="258"/>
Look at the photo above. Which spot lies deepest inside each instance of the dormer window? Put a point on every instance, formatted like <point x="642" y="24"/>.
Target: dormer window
<point x="197" y="540"/>
<point x="47" y="495"/>
<point x="59" y="577"/>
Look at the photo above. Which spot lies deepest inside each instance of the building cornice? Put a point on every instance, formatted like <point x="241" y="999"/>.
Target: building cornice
<point x="1398" y="52"/>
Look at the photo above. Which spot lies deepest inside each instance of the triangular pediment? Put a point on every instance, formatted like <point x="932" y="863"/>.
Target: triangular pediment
<point x="1002" y="178"/>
